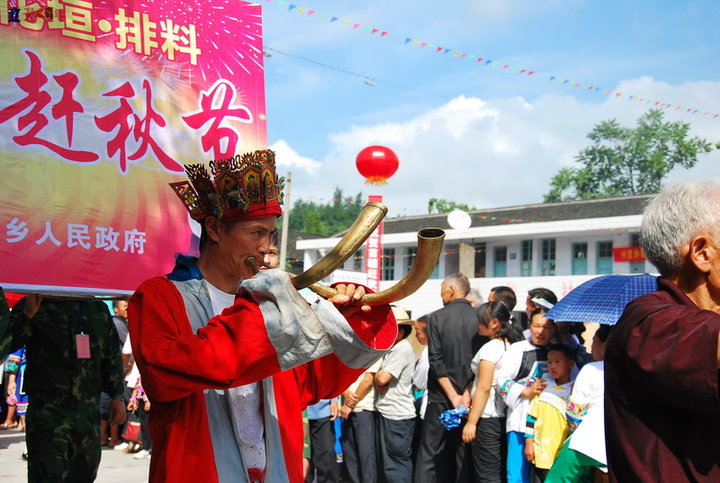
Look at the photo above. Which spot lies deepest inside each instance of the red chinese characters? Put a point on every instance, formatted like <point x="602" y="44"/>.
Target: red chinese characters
<point x="222" y="94"/>
<point x="34" y="121"/>
<point x="67" y="106"/>
<point x="125" y="119"/>
<point x="33" y="109"/>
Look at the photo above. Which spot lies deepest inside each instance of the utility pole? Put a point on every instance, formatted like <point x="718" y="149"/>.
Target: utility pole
<point x="286" y="223"/>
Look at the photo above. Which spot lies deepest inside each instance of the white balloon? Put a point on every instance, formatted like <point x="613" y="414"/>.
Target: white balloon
<point x="459" y="220"/>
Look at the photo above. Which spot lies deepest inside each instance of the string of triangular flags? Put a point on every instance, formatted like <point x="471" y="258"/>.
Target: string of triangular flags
<point x="487" y="62"/>
<point x="413" y="254"/>
<point x="319" y="199"/>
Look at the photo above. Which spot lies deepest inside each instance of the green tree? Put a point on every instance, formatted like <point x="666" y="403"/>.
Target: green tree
<point x="439" y="205"/>
<point x="328" y="218"/>
<point x="313" y="223"/>
<point x="628" y="161"/>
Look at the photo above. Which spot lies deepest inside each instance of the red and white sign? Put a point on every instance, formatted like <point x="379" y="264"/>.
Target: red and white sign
<point x="373" y="253"/>
<point x="628" y="254"/>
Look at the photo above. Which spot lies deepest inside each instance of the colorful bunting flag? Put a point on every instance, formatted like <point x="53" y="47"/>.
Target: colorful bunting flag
<point x="464" y="55"/>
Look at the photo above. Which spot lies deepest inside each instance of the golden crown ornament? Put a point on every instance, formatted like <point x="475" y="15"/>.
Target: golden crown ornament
<point x="245" y="187"/>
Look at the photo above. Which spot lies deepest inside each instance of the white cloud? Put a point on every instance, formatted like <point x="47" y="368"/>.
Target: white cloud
<point x="499" y="152"/>
<point x="288" y="158"/>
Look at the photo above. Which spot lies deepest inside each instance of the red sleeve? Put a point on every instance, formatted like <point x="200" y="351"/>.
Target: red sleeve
<point x="324" y="378"/>
<point x="233" y="348"/>
<point x="327" y="377"/>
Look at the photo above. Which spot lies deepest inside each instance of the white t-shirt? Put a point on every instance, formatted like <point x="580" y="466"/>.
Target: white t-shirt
<point x="131" y="380"/>
<point x="398" y="402"/>
<point x="491" y="352"/>
<point x="589" y="391"/>
<point x="420" y="376"/>
<point x="368" y="402"/>
<point x="127" y="347"/>
<point x="245" y="401"/>
<point x="220" y="300"/>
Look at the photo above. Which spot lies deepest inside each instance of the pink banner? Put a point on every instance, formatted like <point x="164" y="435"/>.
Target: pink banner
<point x="101" y="105"/>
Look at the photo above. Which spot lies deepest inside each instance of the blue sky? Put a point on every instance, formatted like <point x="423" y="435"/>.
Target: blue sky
<point x="464" y="131"/>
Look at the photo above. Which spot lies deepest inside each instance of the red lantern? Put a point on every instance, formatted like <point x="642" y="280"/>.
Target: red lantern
<point x="377" y="164"/>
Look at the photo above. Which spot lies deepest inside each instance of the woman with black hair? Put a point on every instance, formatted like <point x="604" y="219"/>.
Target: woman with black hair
<point x="519" y="380"/>
<point x="485" y="427"/>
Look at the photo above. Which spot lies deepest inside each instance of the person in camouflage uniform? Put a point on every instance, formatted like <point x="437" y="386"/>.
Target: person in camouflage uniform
<point x="4" y="320"/>
<point x="64" y="384"/>
<point x="4" y="351"/>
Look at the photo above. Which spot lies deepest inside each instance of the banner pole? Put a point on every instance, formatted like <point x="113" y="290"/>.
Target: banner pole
<point x="286" y="223"/>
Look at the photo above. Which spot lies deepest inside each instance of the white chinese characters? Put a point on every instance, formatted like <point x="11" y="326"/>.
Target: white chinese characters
<point x="77" y="235"/>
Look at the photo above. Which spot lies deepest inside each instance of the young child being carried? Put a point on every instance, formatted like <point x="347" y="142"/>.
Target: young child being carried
<point x="547" y="427"/>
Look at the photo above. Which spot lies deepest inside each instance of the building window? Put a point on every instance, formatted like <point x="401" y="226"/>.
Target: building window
<point x="526" y="260"/>
<point x="547" y="265"/>
<point x="358" y="261"/>
<point x="604" y="257"/>
<point x="388" y="264"/>
<point x="579" y="258"/>
<point x="452" y="259"/>
<point x="500" y="259"/>
<point x="480" y="260"/>
<point x="436" y="271"/>
<point x="410" y="259"/>
<point x="637" y="267"/>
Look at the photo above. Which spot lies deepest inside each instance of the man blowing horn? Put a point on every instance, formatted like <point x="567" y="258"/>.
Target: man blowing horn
<point x="230" y="360"/>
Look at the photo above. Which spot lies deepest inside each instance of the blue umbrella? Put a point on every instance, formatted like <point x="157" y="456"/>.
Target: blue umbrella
<point x="602" y="299"/>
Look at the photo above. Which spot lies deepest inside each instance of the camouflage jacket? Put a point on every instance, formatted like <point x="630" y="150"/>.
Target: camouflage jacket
<point x="54" y="373"/>
<point x="4" y="322"/>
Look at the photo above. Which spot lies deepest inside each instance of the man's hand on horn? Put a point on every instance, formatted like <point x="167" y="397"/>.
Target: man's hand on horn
<point x="348" y="298"/>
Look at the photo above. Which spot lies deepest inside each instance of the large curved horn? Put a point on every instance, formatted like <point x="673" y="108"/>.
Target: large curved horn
<point x="430" y="243"/>
<point x="369" y="218"/>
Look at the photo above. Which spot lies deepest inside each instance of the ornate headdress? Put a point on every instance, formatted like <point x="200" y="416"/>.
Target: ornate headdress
<point x="245" y="187"/>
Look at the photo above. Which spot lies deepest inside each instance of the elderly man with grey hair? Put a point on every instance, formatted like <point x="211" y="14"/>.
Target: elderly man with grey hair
<point x="452" y="341"/>
<point x="662" y="407"/>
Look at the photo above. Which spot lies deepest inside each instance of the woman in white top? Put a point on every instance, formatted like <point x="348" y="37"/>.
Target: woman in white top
<point x="485" y="427"/>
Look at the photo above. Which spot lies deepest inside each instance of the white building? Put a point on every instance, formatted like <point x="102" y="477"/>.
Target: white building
<point x="552" y="245"/>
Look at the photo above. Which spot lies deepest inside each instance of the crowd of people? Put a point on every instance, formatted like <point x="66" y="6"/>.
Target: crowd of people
<point x="390" y="413"/>
<point x="517" y="382"/>
<point x="229" y="374"/>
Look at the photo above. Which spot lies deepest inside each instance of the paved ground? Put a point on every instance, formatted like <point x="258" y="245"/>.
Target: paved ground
<point x="115" y="467"/>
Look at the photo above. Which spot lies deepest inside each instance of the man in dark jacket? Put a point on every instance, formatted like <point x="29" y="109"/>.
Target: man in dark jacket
<point x="453" y="340"/>
<point x="662" y="408"/>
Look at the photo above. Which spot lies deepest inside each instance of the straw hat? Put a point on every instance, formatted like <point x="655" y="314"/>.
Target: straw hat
<point x="402" y="316"/>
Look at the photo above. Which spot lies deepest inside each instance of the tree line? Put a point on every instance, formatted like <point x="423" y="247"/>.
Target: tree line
<point x="326" y="218"/>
